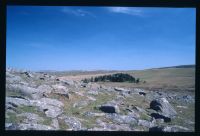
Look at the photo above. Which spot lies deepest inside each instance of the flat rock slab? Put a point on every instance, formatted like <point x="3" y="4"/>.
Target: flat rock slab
<point x="31" y="118"/>
<point x="123" y="119"/>
<point x="22" y="126"/>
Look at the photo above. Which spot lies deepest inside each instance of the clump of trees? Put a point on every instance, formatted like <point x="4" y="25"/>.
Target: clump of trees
<point x="119" y="77"/>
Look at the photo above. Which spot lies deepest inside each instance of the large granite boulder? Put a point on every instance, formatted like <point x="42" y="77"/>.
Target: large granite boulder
<point x="163" y="106"/>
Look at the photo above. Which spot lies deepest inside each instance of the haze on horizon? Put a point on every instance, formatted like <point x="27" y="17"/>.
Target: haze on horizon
<point x="99" y="38"/>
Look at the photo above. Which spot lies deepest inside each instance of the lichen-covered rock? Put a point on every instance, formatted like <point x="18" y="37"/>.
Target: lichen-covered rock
<point x="72" y="122"/>
<point x="55" y="124"/>
<point x="146" y="123"/>
<point x="174" y="128"/>
<point x="23" y="126"/>
<point x="124" y="119"/>
<point x="45" y="89"/>
<point x="31" y="118"/>
<point x="51" y="107"/>
<point x="163" y="106"/>
<point x="61" y="90"/>
<point x="25" y="90"/>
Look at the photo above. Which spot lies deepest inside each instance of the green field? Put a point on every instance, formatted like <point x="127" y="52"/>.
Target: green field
<point x="162" y="79"/>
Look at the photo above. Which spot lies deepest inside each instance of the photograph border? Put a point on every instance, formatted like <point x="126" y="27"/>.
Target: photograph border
<point x="123" y="3"/>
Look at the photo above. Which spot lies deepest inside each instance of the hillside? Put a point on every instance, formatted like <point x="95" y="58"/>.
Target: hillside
<point x="41" y="101"/>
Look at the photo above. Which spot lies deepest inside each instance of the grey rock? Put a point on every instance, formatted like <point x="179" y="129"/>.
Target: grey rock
<point x="25" y="90"/>
<point x="72" y="122"/>
<point x="93" y="92"/>
<point x="68" y="82"/>
<point x="124" y="119"/>
<point x="51" y="107"/>
<point x="163" y="106"/>
<point x="188" y="98"/>
<point x="80" y="104"/>
<point x="23" y="126"/>
<point x="93" y="114"/>
<point x="31" y="118"/>
<point x="55" y="124"/>
<point x="10" y="78"/>
<point x="146" y="123"/>
<point x="61" y="90"/>
<point x="174" y="128"/>
<point x="160" y="116"/>
<point x="44" y="89"/>
<point x="17" y="101"/>
<point x="121" y="89"/>
<point x="28" y="74"/>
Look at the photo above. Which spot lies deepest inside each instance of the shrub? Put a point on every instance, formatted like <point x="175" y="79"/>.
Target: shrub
<point x="119" y="77"/>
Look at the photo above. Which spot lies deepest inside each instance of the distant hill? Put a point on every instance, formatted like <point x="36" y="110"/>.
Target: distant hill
<point x="180" y="66"/>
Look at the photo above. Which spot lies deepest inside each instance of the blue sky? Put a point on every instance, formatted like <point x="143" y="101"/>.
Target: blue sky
<point x="94" y="38"/>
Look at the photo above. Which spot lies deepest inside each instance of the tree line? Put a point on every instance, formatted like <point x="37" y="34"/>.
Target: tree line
<point x="119" y="77"/>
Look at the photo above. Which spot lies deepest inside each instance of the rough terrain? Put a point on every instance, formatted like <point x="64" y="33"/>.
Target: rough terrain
<point x="44" y="101"/>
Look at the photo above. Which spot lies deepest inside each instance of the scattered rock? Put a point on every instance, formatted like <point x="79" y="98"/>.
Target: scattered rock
<point x="146" y="123"/>
<point x="55" y="124"/>
<point x="72" y="122"/>
<point x="28" y="74"/>
<point x="51" y="107"/>
<point x="92" y="114"/>
<point x="163" y="106"/>
<point x="61" y="90"/>
<point x="109" y="108"/>
<point x="31" y="118"/>
<point x="124" y="119"/>
<point x="159" y="116"/>
<point x="23" y="126"/>
<point x="45" y="89"/>
<point x="174" y="128"/>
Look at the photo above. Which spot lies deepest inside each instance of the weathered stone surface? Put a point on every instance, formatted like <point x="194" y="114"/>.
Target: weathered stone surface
<point x="103" y="126"/>
<point x="45" y="89"/>
<point x="22" y="126"/>
<point x="51" y="107"/>
<point x="163" y="106"/>
<point x="28" y="74"/>
<point x="17" y="101"/>
<point x="25" y="90"/>
<point x="121" y="89"/>
<point x="93" y="92"/>
<point x="174" y="128"/>
<point x="188" y="98"/>
<point x="31" y="118"/>
<point x="160" y="116"/>
<point x="72" y="122"/>
<point x="93" y="86"/>
<point x="55" y="124"/>
<point x="124" y="119"/>
<point x="10" y="78"/>
<point x="61" y="90"/>
<point x="93" y="114"/>
<point x="81" y="104"/>
<point x="146" y="123"/>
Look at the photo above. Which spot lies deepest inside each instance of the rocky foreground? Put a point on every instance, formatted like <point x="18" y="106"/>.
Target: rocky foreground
<point x="39" y="101"/>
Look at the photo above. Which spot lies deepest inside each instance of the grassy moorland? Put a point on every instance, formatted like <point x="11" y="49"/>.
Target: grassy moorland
<point x="170" y="78"/>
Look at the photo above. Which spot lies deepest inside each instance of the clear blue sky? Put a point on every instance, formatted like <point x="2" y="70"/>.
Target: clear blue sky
<point x="93" y="38"/>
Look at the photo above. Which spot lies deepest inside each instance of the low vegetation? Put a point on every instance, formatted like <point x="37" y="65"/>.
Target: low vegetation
<point x="118" y="77"/>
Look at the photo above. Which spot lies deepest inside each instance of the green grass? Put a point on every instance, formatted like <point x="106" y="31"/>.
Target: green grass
<point x="62" y="124"/>
<point x="12" y="118"/>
